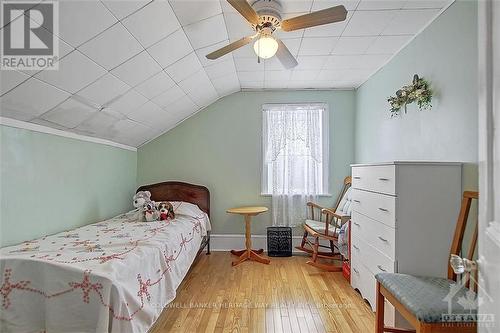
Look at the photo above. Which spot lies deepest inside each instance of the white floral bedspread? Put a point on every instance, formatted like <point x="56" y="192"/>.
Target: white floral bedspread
<point x="114" y="276"/>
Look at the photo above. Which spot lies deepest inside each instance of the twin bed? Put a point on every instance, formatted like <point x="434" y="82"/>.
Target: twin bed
<point x="113" y="276"/>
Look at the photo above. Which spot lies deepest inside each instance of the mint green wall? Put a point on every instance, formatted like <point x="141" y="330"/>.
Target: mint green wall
<point x="50" y="183"/>
<point x="220" y="147"/>
<point x="446" y="55"/>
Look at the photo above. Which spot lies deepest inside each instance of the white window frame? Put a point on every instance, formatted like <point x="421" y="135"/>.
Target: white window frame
<point x="325" y="138"/>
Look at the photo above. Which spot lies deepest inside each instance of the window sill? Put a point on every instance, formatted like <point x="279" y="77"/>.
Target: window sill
<point x="319" y="195"/>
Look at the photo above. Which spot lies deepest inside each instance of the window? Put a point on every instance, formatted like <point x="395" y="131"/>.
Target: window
<point x="295" y="149"/>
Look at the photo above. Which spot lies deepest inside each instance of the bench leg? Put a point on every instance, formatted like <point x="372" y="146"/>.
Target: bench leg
<point x="379" y="316"/>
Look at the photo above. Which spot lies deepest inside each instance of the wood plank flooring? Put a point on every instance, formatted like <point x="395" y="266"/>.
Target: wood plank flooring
<point x="286" y="296"/>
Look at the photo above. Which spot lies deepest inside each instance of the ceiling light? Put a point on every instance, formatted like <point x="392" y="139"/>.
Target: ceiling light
<point x="265" y="47"/>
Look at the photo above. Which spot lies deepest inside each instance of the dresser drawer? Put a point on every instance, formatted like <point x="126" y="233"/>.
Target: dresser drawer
<point x="363" y="280"/>
<point x="380" y="178"/>
<point x="377" y="206"/>
<point x="377" y="234"/>
<point x="372" y="258"/>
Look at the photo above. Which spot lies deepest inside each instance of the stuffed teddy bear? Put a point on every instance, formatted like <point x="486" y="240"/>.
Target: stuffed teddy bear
<point x="166" y="211"/>
<point x="139" y="200"/>
<point x="150" y="211"/>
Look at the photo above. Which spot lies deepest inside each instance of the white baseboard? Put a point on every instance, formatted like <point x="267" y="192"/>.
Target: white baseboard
<point x="227" y="242"/>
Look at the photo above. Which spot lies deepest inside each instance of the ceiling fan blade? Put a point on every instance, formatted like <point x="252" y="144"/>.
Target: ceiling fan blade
<point x="245" y="10"/>
<point x="325" y="16"/>
<point x="230" y="47"/>
<point x="285" y="56"/>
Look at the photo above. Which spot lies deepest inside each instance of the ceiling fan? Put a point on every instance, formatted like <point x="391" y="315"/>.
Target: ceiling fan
<point x="265" y="18"/>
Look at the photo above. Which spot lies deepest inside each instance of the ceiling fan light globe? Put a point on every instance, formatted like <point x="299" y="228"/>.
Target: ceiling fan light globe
<point x="265" y="47"/>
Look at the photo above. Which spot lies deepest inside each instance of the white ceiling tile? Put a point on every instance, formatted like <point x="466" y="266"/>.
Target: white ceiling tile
<point x="104" y="90"/>
<point x="137" y="69"/>
<point x="249" y="64"/>
<point x="317" y="45"/>
<point x="123" y="8"/>
<point x="69" y="113"/>
<point x="368" y="23"/>
<point x="47" y="123"/>
<point x="344" y="74"/>
<point x="328" y="30"/>
<point x="237" y="26"/>
<point x="310" y="62"/>
<point x="168" y="97"/>
<point x="152" y="23"/>
<point x="251" y="76"/>
<point x="172" y="48"/>
<point x="296" y="6"/>
<point x="226" y="85"/>
<point x="220" y="69"/>
<point x="252" y="84"/>
<point x="366" y="61"/>
<point x="423" y="4"/>
<point x="100" y="124"/>
<point x="183" y="105"/>
<point x="201" y="53"/>
<point x="206" y="32"/>
<point x="277" y="75"/>
<point x="407" y="22"/>
<point x="184" y="68"/>
<point x="381" y="4"/>
<point x="112" y="47"/>
<point x="304" y="75"/>
<point x="75" y="72"/>
<point x="272" y="64"/>
<point x="156" y="85"/>
<point x="388" y="44"/>
<point x="302" y="84"/>
<point x="64" y="50"/>
<point x="275" y="84"/>
<point x="244" y="52"/>
<point x="130" y="132"/>
<point x="204" y="96"/>
<point x="79" y="21"/>
<point x="188" y="12"/>
<point x="353" y="45"/>
<point x="128" y="102"/>
<point x="10" y="79"/>
<point x="194" y="81"/>
<point x="149" y="114"/>
<point x="30" y="99"/>
<point x="323" y="4"/>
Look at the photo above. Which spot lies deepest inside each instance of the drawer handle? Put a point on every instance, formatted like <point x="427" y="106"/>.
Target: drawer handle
<point x="357" y="224"/>
<point x="382" y="239"/>
<point x="356" y="200"/>
<point x="355" y="270"/>
<point x="381" y="268"/>
<point x="383" y="209"/>
<point x="384" y="179"/>
<point x="354" y="246"/>
<point x="356" y="177"/>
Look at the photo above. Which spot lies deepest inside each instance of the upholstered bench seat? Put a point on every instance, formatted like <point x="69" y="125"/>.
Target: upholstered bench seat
<point x="429" y="298"/>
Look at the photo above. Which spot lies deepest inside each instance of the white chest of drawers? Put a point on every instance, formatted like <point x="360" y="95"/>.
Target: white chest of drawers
<point x="403" y="218"/>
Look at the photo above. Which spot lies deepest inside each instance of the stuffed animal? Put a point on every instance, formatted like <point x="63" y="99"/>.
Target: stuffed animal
<point x="139" y="200"/>
<point x="150" y="212"/>
<point x="166" y="211"/>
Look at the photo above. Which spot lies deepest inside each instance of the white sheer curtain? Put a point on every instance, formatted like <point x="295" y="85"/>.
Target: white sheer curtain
<point x="295" y="144"/>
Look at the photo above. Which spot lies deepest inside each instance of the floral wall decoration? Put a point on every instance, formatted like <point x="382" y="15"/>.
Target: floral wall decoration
<point x="418" y="91"/>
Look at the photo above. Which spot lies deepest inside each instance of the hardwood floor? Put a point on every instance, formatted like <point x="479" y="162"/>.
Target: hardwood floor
<point x="285" y="296"/>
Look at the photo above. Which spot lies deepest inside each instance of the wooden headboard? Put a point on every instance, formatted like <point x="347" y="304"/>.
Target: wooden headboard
<point x="179" y="191"/>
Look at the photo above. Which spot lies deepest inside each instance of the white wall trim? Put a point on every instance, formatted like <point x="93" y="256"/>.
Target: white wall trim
<point x="48" y="130"/>
<point x="227" y="242"/>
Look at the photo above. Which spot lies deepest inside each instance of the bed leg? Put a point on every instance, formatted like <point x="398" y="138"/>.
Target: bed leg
<point x="208" y="243"/>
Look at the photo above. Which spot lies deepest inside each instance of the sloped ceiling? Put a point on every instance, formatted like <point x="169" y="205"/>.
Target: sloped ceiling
<point x="131" y="70"/>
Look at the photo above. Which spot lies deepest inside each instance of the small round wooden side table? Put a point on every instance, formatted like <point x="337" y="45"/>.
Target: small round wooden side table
<point x="248" y="253"/>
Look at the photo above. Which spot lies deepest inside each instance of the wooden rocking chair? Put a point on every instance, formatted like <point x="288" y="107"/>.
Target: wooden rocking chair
<point x="326" y="227"/>
<point x="423" y="301"/>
